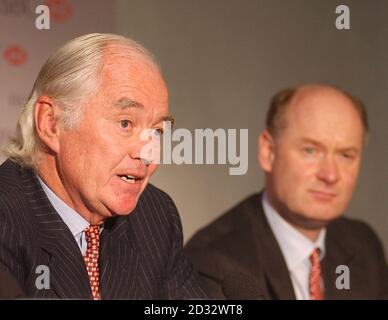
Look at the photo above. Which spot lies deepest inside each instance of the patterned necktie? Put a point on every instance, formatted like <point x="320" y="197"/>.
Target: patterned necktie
<point x="316" y="292"/>
<point x="91" y="259"/>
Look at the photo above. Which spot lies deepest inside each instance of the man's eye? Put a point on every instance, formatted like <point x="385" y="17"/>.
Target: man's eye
<point x="348" y="155"/>
<point x="157" y="132"/>
<point x="309" y="150"/>
<point x="125" y="124"/>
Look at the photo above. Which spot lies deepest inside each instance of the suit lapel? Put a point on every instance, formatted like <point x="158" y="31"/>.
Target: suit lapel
<point x="68" y="275"/>
<point x="278" y="281"/>
<point x="119" y="260"/>
<point x="275" y="269"/>
<point x="336" y="254"/>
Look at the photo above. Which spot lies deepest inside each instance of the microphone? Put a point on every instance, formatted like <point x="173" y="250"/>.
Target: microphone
<point x="240" y="286"/>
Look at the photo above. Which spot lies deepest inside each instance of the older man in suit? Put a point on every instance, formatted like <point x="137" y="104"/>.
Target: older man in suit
<point x="290" y="241"/>
<point x="78" y="218"/>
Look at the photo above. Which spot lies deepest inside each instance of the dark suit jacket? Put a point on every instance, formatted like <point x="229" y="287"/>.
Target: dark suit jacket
<point x="242" y="241"/>
<point x="9" y="288"/>
<point x="140" y="254"/>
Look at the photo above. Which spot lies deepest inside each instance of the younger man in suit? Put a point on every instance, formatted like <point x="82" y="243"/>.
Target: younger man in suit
<point x="290" y="241"/>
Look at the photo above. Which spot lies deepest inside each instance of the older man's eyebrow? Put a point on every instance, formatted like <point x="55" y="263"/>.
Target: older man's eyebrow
<point x="126" y="103"/>
<point x="169" y="118"/>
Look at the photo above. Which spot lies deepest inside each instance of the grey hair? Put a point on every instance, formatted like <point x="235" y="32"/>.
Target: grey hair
<point x="69" y="76"/>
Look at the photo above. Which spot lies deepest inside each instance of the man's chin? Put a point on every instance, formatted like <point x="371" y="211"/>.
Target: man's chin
<point x="121" y="207"/>
<point x="124" y="210"/>
<point x="321" y="219"/>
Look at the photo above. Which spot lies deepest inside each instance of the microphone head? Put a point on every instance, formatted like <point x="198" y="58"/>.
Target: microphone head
<point x="240" y="286"/>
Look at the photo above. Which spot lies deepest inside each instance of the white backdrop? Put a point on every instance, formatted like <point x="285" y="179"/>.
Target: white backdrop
<point x="24" y="48"/>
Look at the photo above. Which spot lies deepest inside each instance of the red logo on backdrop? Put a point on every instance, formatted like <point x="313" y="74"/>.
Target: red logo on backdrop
<point x="15" y="55"/>
<point x="60" y="10"/>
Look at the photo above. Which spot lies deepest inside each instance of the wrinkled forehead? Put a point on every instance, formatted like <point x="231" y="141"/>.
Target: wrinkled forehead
<point x="133" y="72"/>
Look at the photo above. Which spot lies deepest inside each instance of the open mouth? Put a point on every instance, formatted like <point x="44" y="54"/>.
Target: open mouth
<point x="128" y="178"/>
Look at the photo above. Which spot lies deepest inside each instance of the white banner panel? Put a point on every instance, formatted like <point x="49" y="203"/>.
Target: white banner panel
<point x="24" y="47"/>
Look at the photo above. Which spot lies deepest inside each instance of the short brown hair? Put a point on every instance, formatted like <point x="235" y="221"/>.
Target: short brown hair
<point x="282" y="99"/>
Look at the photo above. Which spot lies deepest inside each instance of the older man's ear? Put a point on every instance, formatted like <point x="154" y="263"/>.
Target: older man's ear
<point x="266" y="151"/>
<point x="46" y="122"/>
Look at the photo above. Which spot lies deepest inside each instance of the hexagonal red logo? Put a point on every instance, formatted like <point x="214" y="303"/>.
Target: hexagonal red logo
<point x="60" y="10"/>
<point x="15" y="55"/>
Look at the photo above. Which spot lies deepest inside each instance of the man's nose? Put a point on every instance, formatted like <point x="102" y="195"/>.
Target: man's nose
<point x="328" y="170"/>
<point x="143" y="147"/>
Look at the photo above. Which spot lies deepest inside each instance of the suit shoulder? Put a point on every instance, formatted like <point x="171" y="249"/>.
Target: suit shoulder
<point x="354" y="231"/>
<point x="154" y="191"/>
<point x="225" y="245"/>
<point x="156" y="197"/>
<point x="10" y="174"/>
<point x="155" y="207"/>
<point x="350" y="226"/>
<point x="234" y="221"/>
<point x="11" y="187"/>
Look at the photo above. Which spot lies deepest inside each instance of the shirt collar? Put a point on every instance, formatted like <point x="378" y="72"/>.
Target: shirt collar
<point x="296" y="247"/>
<point x="75" y="222"/>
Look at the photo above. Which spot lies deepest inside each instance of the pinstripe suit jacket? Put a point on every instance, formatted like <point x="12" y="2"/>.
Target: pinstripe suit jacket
<point x="140" y="254"/>
<point x="9" y="288"/>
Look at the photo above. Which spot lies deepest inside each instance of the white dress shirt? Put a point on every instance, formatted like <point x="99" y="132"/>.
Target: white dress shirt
<point x="75" y="222"/>
<point x="296" y="249"/>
